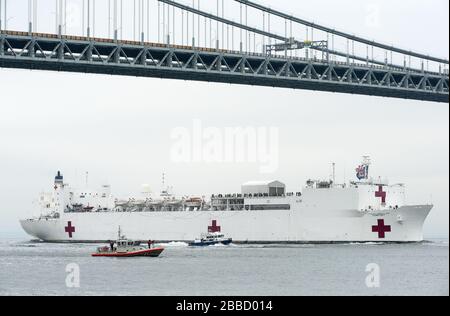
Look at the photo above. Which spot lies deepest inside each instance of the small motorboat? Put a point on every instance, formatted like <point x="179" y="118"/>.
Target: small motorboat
<point x="124" y="247"/>
<point x="211" y="239"/>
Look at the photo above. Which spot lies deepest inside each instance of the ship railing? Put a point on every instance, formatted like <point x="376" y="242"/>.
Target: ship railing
<point x="218" y="197"/>
<point x="229" y="207"/>
<point x="271" y="196"/>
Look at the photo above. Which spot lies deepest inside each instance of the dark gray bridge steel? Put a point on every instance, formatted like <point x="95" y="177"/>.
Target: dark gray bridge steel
<point x="101" y="56"/>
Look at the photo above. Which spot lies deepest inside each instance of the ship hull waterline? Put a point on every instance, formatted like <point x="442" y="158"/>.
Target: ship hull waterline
<point x="402" y="225"/>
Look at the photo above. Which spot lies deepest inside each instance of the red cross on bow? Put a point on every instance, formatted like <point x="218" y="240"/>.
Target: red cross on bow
<point x="70" y="229"/>
<point x="214" y="228"/>
<point x="381" y="194"/>
<point x="381" y="229"/>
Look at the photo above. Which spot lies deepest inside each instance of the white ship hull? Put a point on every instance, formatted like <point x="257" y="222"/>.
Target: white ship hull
<point x="298" y="225"/>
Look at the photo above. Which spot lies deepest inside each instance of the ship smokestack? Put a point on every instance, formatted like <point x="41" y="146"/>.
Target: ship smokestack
<point x="59" y="179"/>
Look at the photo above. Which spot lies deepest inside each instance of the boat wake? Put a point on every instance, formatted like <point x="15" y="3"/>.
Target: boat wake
<point x="370" y="243"/>
<point x="23" y="246"/>
<point x="436" y="243"/>
<point x="175" y="244"/>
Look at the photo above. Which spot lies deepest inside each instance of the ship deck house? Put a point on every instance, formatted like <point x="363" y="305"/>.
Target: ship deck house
<point x="264" y="188"/>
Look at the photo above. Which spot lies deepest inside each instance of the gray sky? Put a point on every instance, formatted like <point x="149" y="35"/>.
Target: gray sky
<point x="119" y="128"/>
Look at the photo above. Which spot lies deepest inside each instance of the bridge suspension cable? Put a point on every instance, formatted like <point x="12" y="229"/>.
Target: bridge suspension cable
<point x="342" y="34"/>
<point x="309" y="44"/>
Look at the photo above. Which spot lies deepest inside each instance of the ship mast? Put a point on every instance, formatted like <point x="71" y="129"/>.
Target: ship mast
<point x="334" y="172"/>
<point x="366" y="163"/>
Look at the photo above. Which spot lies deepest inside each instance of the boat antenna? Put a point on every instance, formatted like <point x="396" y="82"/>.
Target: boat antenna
<point x="345" y="174"/>
<point x="333" y="177"/>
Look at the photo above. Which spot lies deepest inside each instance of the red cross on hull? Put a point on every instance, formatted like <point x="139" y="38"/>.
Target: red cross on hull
<point x="69" y="229"/>
<point x="381" y="194"/>
<point x="214" y="228"/>
<point x="381" y="229"/>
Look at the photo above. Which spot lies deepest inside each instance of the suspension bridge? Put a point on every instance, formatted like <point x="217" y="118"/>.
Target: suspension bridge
<point x="232" y="41"/>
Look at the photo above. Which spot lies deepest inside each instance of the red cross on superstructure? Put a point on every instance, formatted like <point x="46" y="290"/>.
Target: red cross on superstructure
<point x="381" y="229"/>
<point x="70" y="229"/>
<point x="381" y="194"/>
<point x="214" y="228"/>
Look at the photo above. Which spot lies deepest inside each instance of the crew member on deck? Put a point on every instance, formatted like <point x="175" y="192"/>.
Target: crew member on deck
<point x="150" y="244"/>
<point x="111" y="244"/>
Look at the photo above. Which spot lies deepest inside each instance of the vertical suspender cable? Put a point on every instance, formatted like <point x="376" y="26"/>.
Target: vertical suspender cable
<point x="240" y="30"/>
<point x="159" y="22"/>
<point x="134" y="20"/>
<point x="1" y="5"/>
<point x="121" y="19"/>
<point x="174" y="25"/>
<point x="88" y="18"/>
<point x="148" y="20"/>
<point x="6" y="15"/>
